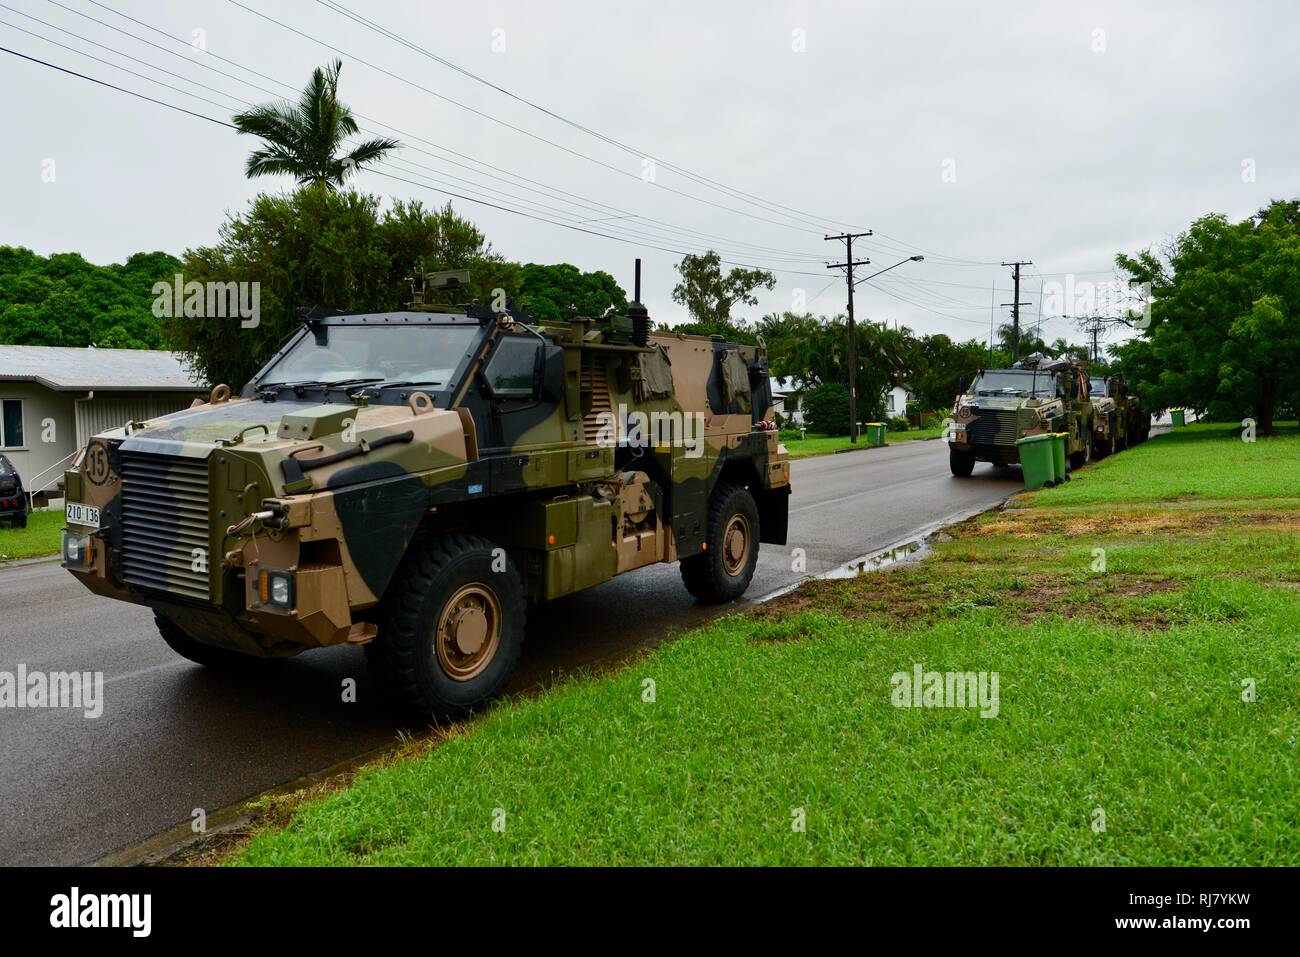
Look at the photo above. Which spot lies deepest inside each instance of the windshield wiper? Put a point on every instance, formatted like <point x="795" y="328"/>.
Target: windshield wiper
<point x="395" y="384"/>
<point x="315" y="384"/>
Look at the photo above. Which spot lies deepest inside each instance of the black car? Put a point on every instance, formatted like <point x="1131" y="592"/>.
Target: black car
<point x="13" y="500"/>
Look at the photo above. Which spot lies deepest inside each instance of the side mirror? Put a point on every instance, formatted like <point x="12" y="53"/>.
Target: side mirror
<point x="963" y="384"/>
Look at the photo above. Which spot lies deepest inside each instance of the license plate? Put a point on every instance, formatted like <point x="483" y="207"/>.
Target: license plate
<point x="82" y="514"/>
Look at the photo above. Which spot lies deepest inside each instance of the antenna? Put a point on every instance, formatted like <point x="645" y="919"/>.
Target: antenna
<point x="636" y="294"/>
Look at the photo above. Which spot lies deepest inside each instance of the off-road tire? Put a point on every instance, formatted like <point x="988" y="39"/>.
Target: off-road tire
<point x="961" y="463"/>
<point x="706" y="575"/>
<point x="1082" y="457"/>
<point x="405" y="658"/>
<point x="20" y="521"/>
<point x="210" y="656"/>
<point x="1101" y="449"/>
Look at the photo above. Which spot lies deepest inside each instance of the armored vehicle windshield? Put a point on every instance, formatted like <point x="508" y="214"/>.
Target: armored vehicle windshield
<point x="1015" y="382"/>
<point x="424" y="354"/>
<point x="1099" y="386"/>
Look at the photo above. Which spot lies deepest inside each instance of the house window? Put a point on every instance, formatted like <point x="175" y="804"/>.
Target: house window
<point x="11" y="424"/>
<point x="891" y="402"/>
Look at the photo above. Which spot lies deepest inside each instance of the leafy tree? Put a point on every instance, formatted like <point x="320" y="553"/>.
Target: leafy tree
<point x="562" y="292"/>
<point x="936" y="365"/>
<point x="1223" y="336"/>
<point x="826" y="409"/>
<point x="323" y="248"/>
<point x="63" y="300"/>
<point x="709" y="296"/>
<point x="304" y="139"/>
<point x="732" y="331"/>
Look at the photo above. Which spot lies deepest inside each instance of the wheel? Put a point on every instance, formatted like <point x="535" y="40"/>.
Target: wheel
<point x="452" y="628"/>
<point x="1103" y="448"/>
<point x="1082" y="457"/>
<point x="20" y="521"/>
<point x="961" y="463"/>
<point x="725" y="568"/>
<point x="210" y="656"/>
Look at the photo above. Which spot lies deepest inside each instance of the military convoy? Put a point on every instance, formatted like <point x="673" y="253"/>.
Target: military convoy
<point x="1119" y="421"/>
<point x="409" y="481"/>
<point x="1035" y="397"/>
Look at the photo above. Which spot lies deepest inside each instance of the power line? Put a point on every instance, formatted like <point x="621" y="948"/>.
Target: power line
<point x="689" y="234"/>
<point x="447" y="192"/>
<point x="518" y="129"/>
<point x="734" y="193"/>
<point x="120" y="89"/>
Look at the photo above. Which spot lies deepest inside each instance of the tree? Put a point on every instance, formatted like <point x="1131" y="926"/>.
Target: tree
<point x="1223" y="336"/>
<point x="304" y="140"/>
<point x="323" y="248"/>
<point x="63" y="300"/>
<point x="826" y="409"/>
<point x="936" y="365"/>
<point x="561" y="292"/>
<point x="815" y="351"/>
<point x="708" y="295"/>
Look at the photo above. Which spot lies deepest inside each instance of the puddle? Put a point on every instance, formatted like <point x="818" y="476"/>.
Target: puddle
<point x="912" y="551"/>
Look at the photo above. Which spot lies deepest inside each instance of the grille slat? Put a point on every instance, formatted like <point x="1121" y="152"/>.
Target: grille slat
<point x="992" y="427"/>
<point x="164" y="518"/>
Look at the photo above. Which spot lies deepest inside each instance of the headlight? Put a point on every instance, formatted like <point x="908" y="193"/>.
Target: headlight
<point x="276" y="588"/>
<point x="78" y="550"/>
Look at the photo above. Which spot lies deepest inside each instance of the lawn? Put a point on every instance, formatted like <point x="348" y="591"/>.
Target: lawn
<point x="38" y="539"/>
<point x="818" y="444"/>
<point x="1148" y="708"/>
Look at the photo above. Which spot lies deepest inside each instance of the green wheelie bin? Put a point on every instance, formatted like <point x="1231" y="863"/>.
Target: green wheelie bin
<point x="875" y="433"/>
<point x="1036" y="460"/>
<point x="1058" y="458"/>
<point x="1179" y="416"/>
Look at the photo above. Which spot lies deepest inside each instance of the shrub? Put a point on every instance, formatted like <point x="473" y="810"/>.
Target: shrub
<point x="826" y="409"/>
<point x="899" y="424"/>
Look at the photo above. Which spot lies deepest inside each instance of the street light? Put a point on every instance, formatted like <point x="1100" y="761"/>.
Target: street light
<point x="853" y="345"/>
<point x="909" y="259"/>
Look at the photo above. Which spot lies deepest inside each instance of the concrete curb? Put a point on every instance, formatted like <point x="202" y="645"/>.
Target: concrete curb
<point x="22" y="562"/>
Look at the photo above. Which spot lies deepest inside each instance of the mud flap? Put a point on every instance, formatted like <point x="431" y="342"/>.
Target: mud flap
<point x="773" y="515"/>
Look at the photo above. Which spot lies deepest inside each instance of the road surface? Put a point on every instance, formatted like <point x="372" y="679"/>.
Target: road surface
<point x="174" y="737"/>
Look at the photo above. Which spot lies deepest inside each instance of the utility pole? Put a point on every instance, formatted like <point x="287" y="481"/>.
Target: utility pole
<point x="1016" y="303"/>
<point x="847" y="266"/>
<point x="1015" y="344"/>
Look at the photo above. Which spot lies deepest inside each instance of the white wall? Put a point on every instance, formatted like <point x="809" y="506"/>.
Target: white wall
<point x="49" y="430"/>
<point x="56" y="424"/>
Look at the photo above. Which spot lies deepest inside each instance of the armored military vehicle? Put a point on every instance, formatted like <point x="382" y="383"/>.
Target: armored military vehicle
<point x="1004" y="405"/>
<point x="1119" y="421"/>
<point x="409" y="481"/>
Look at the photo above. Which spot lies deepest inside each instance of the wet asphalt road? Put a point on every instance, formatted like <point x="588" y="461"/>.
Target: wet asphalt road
<point x="174" y="737"/>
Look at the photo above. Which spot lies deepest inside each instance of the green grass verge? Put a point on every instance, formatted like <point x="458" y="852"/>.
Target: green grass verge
<point x="817" y="444"/>
<point x="1199" y="461"/>
<point x="38" y="539"/>
<point x="1121" y="704"/>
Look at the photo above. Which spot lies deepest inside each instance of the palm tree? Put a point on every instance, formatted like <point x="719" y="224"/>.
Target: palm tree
<point x="303" y="140"/>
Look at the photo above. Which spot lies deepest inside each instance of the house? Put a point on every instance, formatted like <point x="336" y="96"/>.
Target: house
<point x="896" y="398"/>
<point x="787" y="399"/>
<point x="52" y="399"/>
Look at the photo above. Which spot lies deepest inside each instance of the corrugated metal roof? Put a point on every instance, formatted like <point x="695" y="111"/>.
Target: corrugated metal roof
<point x="67" y="369"/>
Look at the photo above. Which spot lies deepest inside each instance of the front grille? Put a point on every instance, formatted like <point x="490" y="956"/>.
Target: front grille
<point x="164" y="520"/>
<point x="992" y="427"/>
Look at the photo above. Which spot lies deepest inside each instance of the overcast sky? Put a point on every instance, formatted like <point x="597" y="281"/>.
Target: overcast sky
<point x="973" y="133"/>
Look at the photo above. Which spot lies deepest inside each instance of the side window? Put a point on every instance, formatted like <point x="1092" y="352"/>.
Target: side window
<point x="11" y="424"/>
<point x="511" y="370"/>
